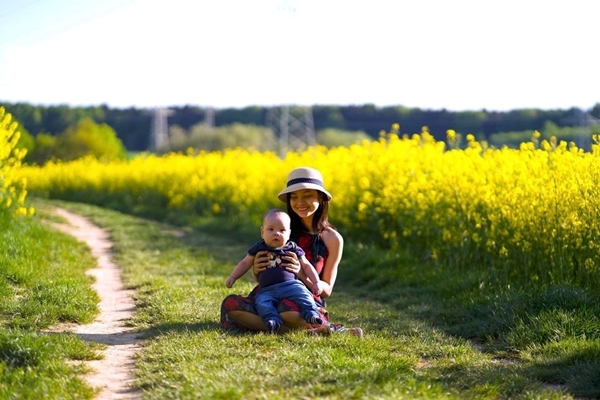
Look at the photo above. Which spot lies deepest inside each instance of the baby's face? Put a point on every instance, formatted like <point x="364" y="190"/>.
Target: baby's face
<point x="275" y="230"/>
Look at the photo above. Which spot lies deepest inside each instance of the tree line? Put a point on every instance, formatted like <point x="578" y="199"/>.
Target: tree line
<point x="133" y="125"/>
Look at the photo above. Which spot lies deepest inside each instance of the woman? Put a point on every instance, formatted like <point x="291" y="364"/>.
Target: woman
<point x="308" y="206"/>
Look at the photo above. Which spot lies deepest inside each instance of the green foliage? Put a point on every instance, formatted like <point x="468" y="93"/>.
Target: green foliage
<point x="509" y="139"/>
<point x="331" y="137"/>
<point x="26" y="141"/>
<point x="133" y="126"/>
<point x="329" y="116"/>
<point x="45" y="149"/>
<point x="580" y="135"/>
<point x="470" y="121"/>
<point x="88" y="138"/>
<point x="252" y="115"/>
<point x="595" y="111"/>
<point x="201" y="137"/>
<point x="85" y="138"/>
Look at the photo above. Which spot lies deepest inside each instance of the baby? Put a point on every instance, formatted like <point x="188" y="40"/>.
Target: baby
<point x="276" y="282"/>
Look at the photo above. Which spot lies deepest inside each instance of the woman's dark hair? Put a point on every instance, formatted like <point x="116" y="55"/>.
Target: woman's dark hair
<point x="320" y="219"/>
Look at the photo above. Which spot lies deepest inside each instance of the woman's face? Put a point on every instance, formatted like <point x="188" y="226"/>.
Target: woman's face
<point x="305" y="202"/>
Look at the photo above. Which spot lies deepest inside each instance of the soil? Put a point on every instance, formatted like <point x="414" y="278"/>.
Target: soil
<point x="114" y="374"/>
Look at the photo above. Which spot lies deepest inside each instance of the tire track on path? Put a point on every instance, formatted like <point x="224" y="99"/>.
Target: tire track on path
<point x="114" y="374"/>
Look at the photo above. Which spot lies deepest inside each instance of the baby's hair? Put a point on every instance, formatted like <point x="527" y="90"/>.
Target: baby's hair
<point x="273" y="211"/>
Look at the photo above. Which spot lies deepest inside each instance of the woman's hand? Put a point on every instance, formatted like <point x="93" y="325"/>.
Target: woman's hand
<point x="291" y="262"/>
<point x="261" y="262"/>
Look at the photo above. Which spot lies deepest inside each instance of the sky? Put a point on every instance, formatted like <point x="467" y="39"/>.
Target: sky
<point x="431" y="54"/>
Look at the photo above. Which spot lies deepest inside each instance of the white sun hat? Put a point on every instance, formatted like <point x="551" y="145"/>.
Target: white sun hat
<point x="303" y="178"/>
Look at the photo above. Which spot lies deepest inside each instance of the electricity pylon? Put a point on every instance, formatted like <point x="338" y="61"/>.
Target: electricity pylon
<point x="293" y="127"/>
<point x="209" y="117"/>
<point x="159" y="130"/>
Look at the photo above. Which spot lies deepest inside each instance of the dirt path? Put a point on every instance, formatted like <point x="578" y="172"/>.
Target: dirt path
<point x="113" y="374"/>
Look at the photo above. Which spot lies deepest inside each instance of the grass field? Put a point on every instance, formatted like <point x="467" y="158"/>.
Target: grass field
<point x="42" y="283"/>
<point x="473" y="271"/>
<point x="429" y="332"/>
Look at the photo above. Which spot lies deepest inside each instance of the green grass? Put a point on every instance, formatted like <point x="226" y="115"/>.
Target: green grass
<point x="430" y="332"/>
<point x="42" y="283"/>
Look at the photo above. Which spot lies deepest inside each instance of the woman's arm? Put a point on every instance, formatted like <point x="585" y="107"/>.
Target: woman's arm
<point x="311" y="273"/>
<point x="335" y="246"/>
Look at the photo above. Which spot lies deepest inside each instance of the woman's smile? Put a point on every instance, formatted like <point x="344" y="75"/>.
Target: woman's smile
<point x="304" y="202"/>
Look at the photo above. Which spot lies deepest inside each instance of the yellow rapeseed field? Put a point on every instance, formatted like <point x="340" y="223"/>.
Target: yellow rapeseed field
<point x="12" y="188"/>
<point x="529" y="213"/>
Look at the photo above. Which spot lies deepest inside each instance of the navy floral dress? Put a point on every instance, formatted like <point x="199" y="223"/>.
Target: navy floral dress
<point x="316" y="253"/>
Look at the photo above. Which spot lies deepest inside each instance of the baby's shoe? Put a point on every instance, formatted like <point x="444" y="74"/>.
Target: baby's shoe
<point x="315" y="320"/>
<point x="272" y="325"/>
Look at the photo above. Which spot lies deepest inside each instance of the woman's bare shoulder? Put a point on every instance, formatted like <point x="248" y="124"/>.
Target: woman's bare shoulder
<point x="330" y="234"/>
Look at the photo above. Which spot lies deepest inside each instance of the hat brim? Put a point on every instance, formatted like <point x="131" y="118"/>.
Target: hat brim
<point x="301" y="186"/>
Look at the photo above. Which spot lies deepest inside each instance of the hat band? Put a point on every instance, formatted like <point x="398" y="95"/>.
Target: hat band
<point x="305" y="180"/>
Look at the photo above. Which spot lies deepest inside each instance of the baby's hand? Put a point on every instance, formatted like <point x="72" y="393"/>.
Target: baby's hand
<point x="229" y="282"/>
<point x="317" y="289"/>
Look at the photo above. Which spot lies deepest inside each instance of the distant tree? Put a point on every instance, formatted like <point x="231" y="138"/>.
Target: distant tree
<point x="328" y="117"/>
<point x="29" y="116"/>
<point x="26" y="141"/>
<point x="366" y="118"/>
<point x="88" y="138"/>
<point x="202" y="137"/>
<point x="252" y="115"/>
<point x="595" y="111"/>
<point x="550" y="129"/>
<point x="467" y="122"/>
<point x="80" y="140"/>
<point x="132" y="126"/>
<point x="580" y="135"/>
<point x="523" y="119"/>
<point x="331" y="137"/>
<point x="44" y="149"/>
<point x="57" y="119"/>
<point x="509" y="139"/>
<point x="187" y="116"/>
